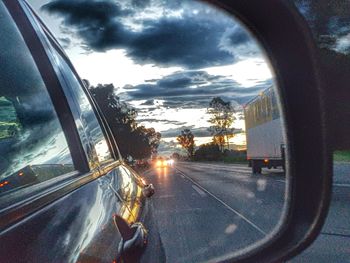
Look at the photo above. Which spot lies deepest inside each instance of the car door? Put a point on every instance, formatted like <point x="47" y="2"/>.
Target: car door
<point x="67" y="180"/>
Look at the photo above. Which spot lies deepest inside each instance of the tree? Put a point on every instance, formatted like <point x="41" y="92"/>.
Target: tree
<point x="175" y="156"/>
<point x="144" y="142"/>
<point x="222" y="118"/>
<point x="186" y="140"/>
<point x="208" y="152"/>
<point x="219" y="140"/>
<point x="133" y="140"/>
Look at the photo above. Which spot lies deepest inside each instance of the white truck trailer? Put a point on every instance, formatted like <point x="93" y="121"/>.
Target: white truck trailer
<point x="264" y="132"/>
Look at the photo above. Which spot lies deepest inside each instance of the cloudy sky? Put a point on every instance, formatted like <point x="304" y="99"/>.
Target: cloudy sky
<point x="167" y="58"/>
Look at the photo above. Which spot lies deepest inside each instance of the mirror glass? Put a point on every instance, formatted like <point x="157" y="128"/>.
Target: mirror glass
<point x="196" y="113"/>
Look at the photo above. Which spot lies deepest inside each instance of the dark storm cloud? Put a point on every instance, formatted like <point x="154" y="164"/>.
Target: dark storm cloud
<point x="195" y="92"/>
<point x="197" y="132"/>
<point x="94" y="21"/>
<point x="190" y="43"/>
<point x="192" y="86"/>
<point x="238" y="37"/>
<point x="186" y="79"/>
<point x="151" y="80"/>
<point x="237" y="41"/>
<point x="83" y="12"/>
<point x="186" y="103"/>
<point x="140" y="3"/>
<point x="193" y="40"/>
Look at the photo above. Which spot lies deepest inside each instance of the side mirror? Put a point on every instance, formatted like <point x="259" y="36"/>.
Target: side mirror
<point x="133" y="241"/>
<point x="301" y="89"/>
<point x="148" y="190"/>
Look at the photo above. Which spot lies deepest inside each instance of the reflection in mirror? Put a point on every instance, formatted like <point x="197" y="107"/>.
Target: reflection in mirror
<point x="190" y="97"/>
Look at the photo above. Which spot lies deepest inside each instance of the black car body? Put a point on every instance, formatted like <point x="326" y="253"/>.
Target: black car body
<point x="65" y="193"/>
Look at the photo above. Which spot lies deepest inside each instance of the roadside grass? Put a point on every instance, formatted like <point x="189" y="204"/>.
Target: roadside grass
<point x="341" y="156"/>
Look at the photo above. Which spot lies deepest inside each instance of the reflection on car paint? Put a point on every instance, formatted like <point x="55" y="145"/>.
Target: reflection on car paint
<point x="89" y="121"/>
<point x="128" y="192"/>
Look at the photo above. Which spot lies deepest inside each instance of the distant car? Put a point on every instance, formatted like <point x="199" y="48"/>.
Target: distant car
<point x="170" y="162"/>
<point x="163" y="162"/>
<point x="160" y="162"/>
<point x="65" y="193"/>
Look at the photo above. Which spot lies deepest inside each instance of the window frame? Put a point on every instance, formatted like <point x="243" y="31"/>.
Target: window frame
<point x="51" y="46"/>
<point x="98" y="113"/>
<point x="100" y="116"/>
<point x="62" y="72"/>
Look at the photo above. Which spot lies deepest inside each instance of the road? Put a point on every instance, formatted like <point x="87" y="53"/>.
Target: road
<point x="333" y="244"/>
<point x="208" y="210"/>
<point x="205" y="211"/>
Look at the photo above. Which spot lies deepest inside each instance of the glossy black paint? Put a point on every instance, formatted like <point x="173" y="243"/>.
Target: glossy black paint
<point x="78" y="226"/>
<point x="71" y="218"/>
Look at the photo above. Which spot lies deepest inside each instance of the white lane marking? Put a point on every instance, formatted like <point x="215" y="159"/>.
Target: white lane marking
<point x="224" y="204"/>
<point x="279" y="180"/>
<point x="342" y="185"/>
<point x="165" y="196"/>
<point x="199" y="191"/>
<point x="245" y="171"/>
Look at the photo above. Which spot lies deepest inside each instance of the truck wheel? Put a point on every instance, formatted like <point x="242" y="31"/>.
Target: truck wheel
<point x="256" y="168"/>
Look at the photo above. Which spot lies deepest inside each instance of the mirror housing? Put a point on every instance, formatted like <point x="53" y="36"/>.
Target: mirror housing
<point x="133" y="241"/>
<point x="148" y="190"/>
<point x="289" y="45"/>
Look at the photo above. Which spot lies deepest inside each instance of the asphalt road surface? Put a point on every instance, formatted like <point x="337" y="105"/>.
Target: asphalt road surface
<point x="333" y="244"/>
<point x="206" y="211"/>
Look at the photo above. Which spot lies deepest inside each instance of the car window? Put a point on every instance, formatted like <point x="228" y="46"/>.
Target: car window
<point x="90" y="124"/>
<point x="32" y="143"/>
